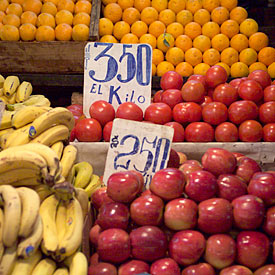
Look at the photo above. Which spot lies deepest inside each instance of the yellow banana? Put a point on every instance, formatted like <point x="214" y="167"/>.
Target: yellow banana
<point x="61" y="271"/>
<point x="2" y="79"/>
<point x="24" y="91"/>
<point x="58" y="148"/>
<point x="14" y="175"/>
<point x="44" y="267"/>
<point x="6" y="131"/>
<point x="12" y="214"/>
<point x="4" y="99"/>
<point x="10" y="85"/>
<point x="33" y="181"/>
<point x="81" y="174"/>
<point x="93" y="185"/>
<point x="6" y="119"/>
<point x="8" y="260"/>
<point x="43" y="191"/>
<point x="83" y="199"/>
<point x="68" y="159"/>
<point x="61" y="220"/>
<point x="77" y="263"/>
<point x="1" y="233"/>
<point x="12" y="99"/>
<point x="1" y="91"/>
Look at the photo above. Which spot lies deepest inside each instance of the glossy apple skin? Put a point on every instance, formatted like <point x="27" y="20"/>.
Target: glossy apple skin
<point x="199" y="269"/>
<point x="114" y="240"/>
<point x="100" y="197"/>
<point x="262" y="77"/>
<point x="219" y="161"/>
<point x="171" y="80"/>
<point x="215" y="75"/>
<point x="202" y="185"/>
<point x="248" y="212"/>
<point x="168" y="183"/>
<point x="220" y="250"/>
<point x="94" y="234"/>
<point x="199" y="132"/>
<point x="226" y="132"/>
<point x="102" y="269"/>
<point x="269" y="132"/>
<point x="174" y="159"/>
<point x="186" y="247"/>
<point x="262" y="185"/>
<point x="165" y="266"/>
<point x="123" y="186"/>
<point x="236" y="270"/>
<point x="269" y="223"/>
<point x="180" y="214"/>
<point x="267" y="112"/>
<point x="133" y="267"/>
<point x="230" y="187"/>
<point x="265" y="270"/>
<point x="215" y="216"/>
<point x="255" y="241"/>
<point x="269" y="93"/>
<point x="187" y="168"/>
<point x="148" y="243"/>
<point x="147" y="210"/>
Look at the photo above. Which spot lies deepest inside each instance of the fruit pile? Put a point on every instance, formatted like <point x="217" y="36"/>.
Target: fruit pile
<point x="189" y="36"/>
<point x="210" y="217"/>
<point x="29" y="20"/>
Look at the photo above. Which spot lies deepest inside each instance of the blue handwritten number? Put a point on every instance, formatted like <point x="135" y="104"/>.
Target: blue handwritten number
<point x="164" y="156"/>
<point x="131" y="65"/>
<point x="139" y="65"/>
<point x="112" y="64"/>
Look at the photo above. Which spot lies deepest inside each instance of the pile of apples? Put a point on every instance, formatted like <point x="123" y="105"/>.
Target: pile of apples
<point x="211" y="217"/>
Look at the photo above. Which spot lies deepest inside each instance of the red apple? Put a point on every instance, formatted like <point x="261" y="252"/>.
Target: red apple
<point x="102" y="111"/>
<point x="236" y="270"/>
<point x="267" y="112"/>
<point x="265" y="270"/>
<point x="198" y="77"/>
<point x="261" y="76"/>
<point x="236" y="82"/>
<point x="220" y="250"/>
<point x="178" y="131"/>
<point x="255" y="241"/>
<point x="215" y="75"/>
<point x="269" y="132"/>
<point x="133" y="267"/>
<point x="269" y="223"/>
<point x="193" y="91"/>
<point x="225" y="93"/>
<point x="99" y="197"/>
<point x="188" y="167"/>
<point x="168" y="183"/>
<point x="114" y="245"/>
<point x="165" y="266"/>
<point x="94" y="234"/>
<point x="171" y="97"/>
<point x="147" y="210"/>
<point x="273" y="251"/>
<point x="94" y="259"/>
<point x="199" y="269"/>
<point x="215" y="216"/>
<point x="157" y="96"/>
<point x="187" y="246"/>
<point x="269" y="93"/>
<point x="141" y="180"/>
<point x="171" y="80"/>
<point x="226" y="132"/>
<point x="174" y="159"/>
<point x="102" y="269"/>
<point x="180" y="214"/>
<point x="251" y="90"/>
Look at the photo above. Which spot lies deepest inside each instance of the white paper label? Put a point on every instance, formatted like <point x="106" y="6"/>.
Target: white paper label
<point x="139" y="146"/>
<point x="117" y="73"/>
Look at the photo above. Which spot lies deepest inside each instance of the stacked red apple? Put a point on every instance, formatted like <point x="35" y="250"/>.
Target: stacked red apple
<point x="211" y="217"/>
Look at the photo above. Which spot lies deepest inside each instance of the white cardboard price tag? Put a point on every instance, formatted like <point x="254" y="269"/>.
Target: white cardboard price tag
<point x="117" y="73"/>
<point x="139" y="146"/>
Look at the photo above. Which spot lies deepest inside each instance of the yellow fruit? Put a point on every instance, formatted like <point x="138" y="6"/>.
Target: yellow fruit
<point x="201" y="68"/>
<point x="219" y="15"/>
<point x="63" y="32"/>
<point x="229" y="56"/>
<point x="124" y="4"/>
<point x="156" y="28"/>
<point x="175" y="29"/>
<point x="83" y="6"/>
<point x="3" y="5"/>
<point x="14" y="8"/>
<point x="149" y="15"/>
<point x="211" y="57"/>
<point x="45" y="19"/>
<point x="184" y="69"/>
<point x="239" y="69"/>
<point x="176" y="5"/>
<point x="157" y="56"/>
<point x="239" y="14"/>
<point x="64" y="16"/>
<point x="271" y="70"/>
<point x="230" y="28"/>
<point x="27" y="32"/>
<point x="193" y="5"/>
<point x="139" y="28"/>
<point x="248" y="27"/>
<point x="142" y="4"/>
<point x="210" y="29"/>
<point x="28" y="17"/>
<point x="148" y="38"/>
<point x="225" y="66"/>
<point x="105" y="26"/>
<point x="202" y="16"/>
<point x="32" y="5"/>
<point x="193" y="30"/>
<point x="83" y="18"/>
<point x="131" y="15"/>
<point x="159" y="5"/>
<point x="183" y="42"/>
<point x="49" y="7"/>
<point x="45" y="33"/>
<point x="11" y="19"/>
<point x="266" y="55"/>
<point x="154" y="69"/>
<point x="257" y="66"/>
<point x="193" y="56"/>
<point x="108" y="39"/>
<point x="229" y="4"/>
<point x="80" y="32"/>
<point x="248" y="56"/>
<point x="113" y="12"/>
<point x="53" y="1"/>
<point x="167" y="16"/>
<point x="164" y="67"/>
<point x="129" y="38"/>
<point x="2" y="14"/>
<point x="174" y="55"/>
<point x="121" y="28"/>
<point x="258" y="40"/>
<point x="202" y="43"/>
<point x="210" y="4"/>
<point x="220" y="42"/>
<point x="165" y="41"/>
<point x="184" y="17"/>
<point x="9" y="33"/>
<point x="239" y="42"/>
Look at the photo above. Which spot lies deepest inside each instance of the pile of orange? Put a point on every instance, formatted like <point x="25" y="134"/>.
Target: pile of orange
<point x="189" y="36"/>
<point x="46" y="20"/>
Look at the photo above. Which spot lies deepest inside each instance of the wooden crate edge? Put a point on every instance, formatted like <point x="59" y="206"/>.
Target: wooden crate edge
<point x="94" y="23"/>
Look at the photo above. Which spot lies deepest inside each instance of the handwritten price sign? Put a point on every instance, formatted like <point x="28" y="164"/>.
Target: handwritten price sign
<point x="138" y="146"/>
<point x="117" y="73"/>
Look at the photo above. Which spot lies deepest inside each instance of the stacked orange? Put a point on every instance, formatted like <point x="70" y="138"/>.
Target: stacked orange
<point x="45" y="20"/>
<point x="189" y="36"/>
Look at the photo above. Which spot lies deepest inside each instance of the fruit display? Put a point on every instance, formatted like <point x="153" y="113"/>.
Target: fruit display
<point x="209" y="216"/>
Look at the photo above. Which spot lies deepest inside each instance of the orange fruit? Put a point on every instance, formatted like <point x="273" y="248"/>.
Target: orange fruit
<point x="108" y="39"/>
<point x="210" y="29"/>
<point x="193" y="56"/>
<point x="83" y="6"/>
<point x="28" y="17"/>
<point x="121" y="28"/>
<point x="65" y="5"/>
<point x="11" y="19"/>
<point x="202" y="16"/>
<point x="32" y="5"/>
<point x="2" y="14"/>
<point x="157" y="56"/>
<point x="141" y="4"/>
<point x="45" y="19"/>
<point x="175" y="29"/>
<point x="257" y="66"/>
<point x="83" y="18"/>
<point x="174" y="55"/>
<point x="271" y="70"/>
<point x="156" y="28"/>
<point x="176" y="5"/>
<point x="105" y="26"/>
<point x="239" y="69"/>
<point x="165" y="41"/>
<point x="131" y="15"/>
<point x="248" y="56"/>
<point x="14" y="8"/>
<point x="9" y="33"/>
<point x="193" y="5"/>
<point x="53" y="1"/>
<point x="148" y="38"/>
<point x="239" y="42"/>
<point x="3" y="5"/>
<point x="248" y="27"/>
<point x="202" y="43"/>
<point x="164" y="67"/>
<point x="184" y="17"/>
<point x="63" y="32"/>
<point x="20" y="2"/>
<point x="139" y="28"/>
<point x="266" y="55"/>
<point x="159" y="5"/>
<point x="184" y="69"/>
<point x="129" y="38"/>
<point x="210" y="4"/>
<point x="106" y="2"/>
<point x="219" y="15"/>
<point x="27" y="32"/>
<point x="220" y="42"/>
<point x="113" y="12"/>
<point x="167" y="16"/>
<point x="229" y="4"/>
<point x="225" y="66"/>
<point x="201" y="68"/>
<point x="149" y="15"/>
<point x="45" y="33"/>
<point x="183" y="42"/>
<point x="49" y="7"/>
<point x="211" y="57"/>
<point x="229" y="56"/>
<point x="258" y="40"/>
<point x="124" y="4"/>
<point x="154" y="69"/>
<point x="80" y="32"/>
<point x="230" y="28"/>
<point x="64" y="16"/>
<point x="193" y="30"/>
<point x="238" y="14"/>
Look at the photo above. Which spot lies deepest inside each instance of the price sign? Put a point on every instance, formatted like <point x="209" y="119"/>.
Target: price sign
<point x="117" y="73"/>
<point x="143" y="147"/>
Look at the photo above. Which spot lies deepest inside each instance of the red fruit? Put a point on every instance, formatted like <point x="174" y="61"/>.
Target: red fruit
<point x="178" y="131"/>
<point x="207" y="99"/>
<point x="214" y="113"/>
<point x="88" y="129"/>
<point x="72" y="135"/>
<point x="102" y="269"/>
<point x="250" y="131"/>
<point x="133" y="267"/>
<point x="198" y="77"/>
<point x="107" y="131"/>
<point x="102" y="111"/>
<point x="129" y="110"/>
<point x="159" y="113"/>
<point x="226" y="132"/>
<point x="251" y="90"/>
<point x="157" y="96"/>
<point x="171" y="80"/>
<point x="215" y="75"/>
<point x="199" y="132"/>
<point x="141" y="180"/>
<point x="236" y="82"/>
<point x="94" y="259"/>
<point x="186" y="112"/>
<point x="267" y="112"/>
<point x="165" y="266"/>
<point x="193" y="91"/>
<point x="94" y="233"/>
<point x="171" y="97"/>
<point x="269" y="223"/>
<point x="265" y="270"/>
<point x="261" y="76"/>
<point x="236" y="270"/>
<point x="187" y="168"/>
<point x="174" y="160"/>
<point x="199" y="269"/>
<point x="269" y="93"/>
<point x="100" y="197"/>
<point x="225" y="94"/>
<point x="76" y="109"/>
<point x="269" y="132"/>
